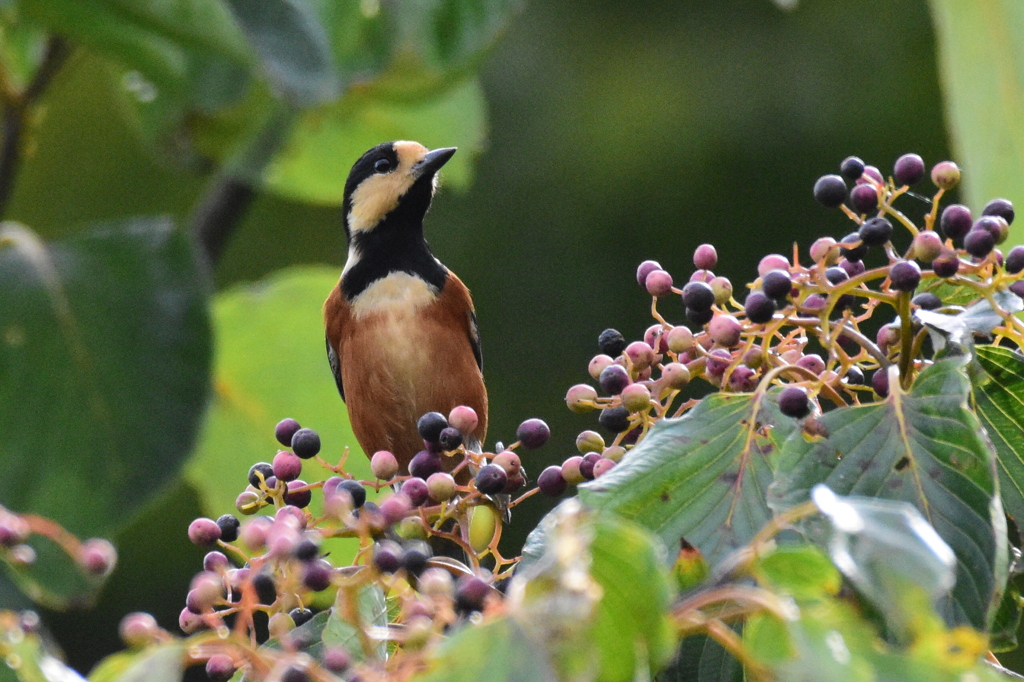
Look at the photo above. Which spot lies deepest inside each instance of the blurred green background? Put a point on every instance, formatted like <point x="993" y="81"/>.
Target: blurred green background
<point x="616" y="132"/>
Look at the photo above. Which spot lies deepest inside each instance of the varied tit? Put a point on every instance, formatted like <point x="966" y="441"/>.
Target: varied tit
<point x="402" y="336"/>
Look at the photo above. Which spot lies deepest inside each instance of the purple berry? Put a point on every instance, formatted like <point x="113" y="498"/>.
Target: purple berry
<point x="875" y="232"/>
<point x="533" y="433"/>
<point x="220" y="668"/>
<point x="705" y="257"/>
<point x="830" y="191"/>
<point x="758" y="307"/>
<point x="999" y="207"/>
<point x="904" y="275"/>
<point x="926" y="300"/>
<point x="387" y="556"/>
<point x="203" y="531"/>
<point x="337" y="660"/>
<point x="772" y="261"/>
<point x="307" y="549"/>
<point x="717" y="362"/>
<point x="979" y="243"/>
<point x="266" y="591"/>
<point x="260" y="468"/>
<point x="613" y="379"/>
<point x="1014" y="262"/>
<point x="611" y="342"/>
<point x="854" y="376"/>
<point x="416" y="490"/>
<point x="793" y="402"/>
<point x="551" y="482"/>
<point x="852" y="268"/>
<point x="491" y="479"/>
<point x="855" y="252"/>
<point x="851" y="168"/>
<point x="646" y="268"/>
<point x="873" y="173"/>
<point x="470" y="594"/>
<point x="995" y="225"/>
<point x="880" y="381"/>
<point x="702" y="276"/>
<point x="300" y="616"/>
<point x="659" y="283"/>
<point x="425" y="463"/>
<point x="699" y="317"/>
<point x="743" y="379"/>
<point x="306" y="443"/>
<point x="430" y="426"/>
<point x="947" y="264"/>
<point x="864" y="198"/>
<point x="1018" y="288"/>
<point x="394" y="508"/>
<point x="215" y="561"/>
<point x="776" y="284"/>
<point x="587" y="465"/>
<point x="909" y="169"/>
<point x="295" y="497"/>
<point x="317" y="575"/>
<point x="698" y="296"/>
<point x="956" y="221"/>
<point x="284" y="431"/>
<point x="450" y="439"/>
<point x="725" y="330"/>
<point x="287" y="466"/>
<point x="614" y="419"/>
<point x="229" y="526"/>
<point x="812" y="362"/>
<point x="814" y="303"/>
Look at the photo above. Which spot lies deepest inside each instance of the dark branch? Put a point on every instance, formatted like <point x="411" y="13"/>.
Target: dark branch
<point x="16" y="108"/>
<point x="219" y="213"/>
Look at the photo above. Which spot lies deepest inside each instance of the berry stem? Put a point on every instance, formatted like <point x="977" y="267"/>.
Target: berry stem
<point x="929" y="220"/>
<point x="906" y="337"/>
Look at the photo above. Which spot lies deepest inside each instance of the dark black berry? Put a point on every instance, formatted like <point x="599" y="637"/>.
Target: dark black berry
<point x="776" y="284"/>
<point x="880" y="381"/>
<point x="698" y="296"/>
<point x="854" y="376"/>
<point x="699" y="317"/>
<point x="1014" y="262"/>
<point x="830" y="191"/>
<point x="904" y="275"/>
<point x="317" y="575"/>
<point x="613" y="379"/>
<point x="793" y="402"/>
<point x="266" y="592"/>
<point x="875" y="232"/>
<point x="926" y="300"/>
<point x="956" y="221"/>
<point x="415" y="556"/>
<point x="533" y="433"/>
<point x="430" y="426"/>
<point x="851" y="168"/>
<point x="1000" y="207"/>
<point x="979" y="243"/>
<point x="450" y="438"/>
<point x="284" y="431"/>
<point x="614" y="419"/>
<point x="300" y="616"/>
<point x="611" y="342"/>
<point x="306" y="443"/>
<point x="909" y="170"/>
<point x="491" y="479"/>
<point x="264" y="468"/>
<point x="307" y="550"/>
<point x="852" y="253"/>
<point x="424" y="464"/>
<point x="355" y="490"/>
<point x="864" y="198"/>
<point x="758" y="307"/>
<point x="836" y="275"/>
<point x="228" y="528"/>
<point x="995" y="226"/>
<point x="294" y="674"/>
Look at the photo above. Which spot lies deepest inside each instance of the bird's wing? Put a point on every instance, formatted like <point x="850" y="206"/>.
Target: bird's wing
<point x="474" y="339"/>
<point x="459" y="298"/>
<point x="336" y="314"/>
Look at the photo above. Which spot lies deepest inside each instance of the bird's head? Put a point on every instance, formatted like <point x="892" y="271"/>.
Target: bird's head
<point x="392" y="182"/>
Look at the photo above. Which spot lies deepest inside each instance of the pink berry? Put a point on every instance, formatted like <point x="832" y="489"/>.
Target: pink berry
<point x="636" y="398"/>
<point x="725" y="330"/>
<point x="680" y="339"/>
<point x="394" y="508"/>
<point x="646" y="268"/>
<point x="598" y="364"/>
<point x="384" y="465"/>
<point x="659" y="283"/>
<point x="675" y="375"/>
<point x="640" y="354"/>
<point x="656" y="337"/>
<point x="98" y="556"/>
<point x="812" y="362"/>
<point x="927" y="246"/>
<point x="702" y="276"/>
<point x="571" y="470"/>
<point x="463" y="418"/>
<point x="287" y="466"/>
<point x="772" y="261"/>
<point x="203" y="531"/>
<point x="824" y="248"/>
<point x="602" y="466"/>
<point x="705" y="257"/>
<point x="580" y="398"/>
<point x="551" y="482"/>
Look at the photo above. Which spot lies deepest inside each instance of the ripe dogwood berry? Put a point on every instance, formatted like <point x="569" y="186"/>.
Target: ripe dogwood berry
<point x="999" y="207"/>
<point x="228" y="525"/>
<point x="264" y="469"/>
<point x="956" y="221"/>
<point x="945" y="175"/>
<point x="908" y="170"/>
<point x="646" y="268"/>
<point x="875" y="232"/>
<point x="864" y="198"/>
<point x="698" y="296"/>
<point x="979" y="243"/>
<point x="776" y="284"/>
<point x="852" y="247"/>
<point x="430" y="426"/>
<point x="830" y="191"/>
<point x="904" y="275"/>
<point x="613" y="379"/>
<point x="297" y="497"/>
<point x="926" y="300"/>
<point x="287" y="466"/>
<point x="491" y="479"/>
<point x="947" y="264"/>
<point x="285" y="430"/>
<point x="705" y="257"/>
<point x="1014" y="262"/>
<point x="758" y="307"/>
<point x="425" y="463"/>
<point x="615" y="419"/>
<point x="851" y="168"/>
<point x="611" y="342"/>
<point x="793" y="402"/>
<point x="551" y="482"/>
<point x="306" y="443"/>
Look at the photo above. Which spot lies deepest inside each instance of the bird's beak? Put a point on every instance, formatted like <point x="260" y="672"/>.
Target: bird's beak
<point x="433" y="160"/>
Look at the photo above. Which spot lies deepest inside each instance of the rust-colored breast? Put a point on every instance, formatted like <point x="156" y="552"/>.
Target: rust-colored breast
<point x="401" y="357"/>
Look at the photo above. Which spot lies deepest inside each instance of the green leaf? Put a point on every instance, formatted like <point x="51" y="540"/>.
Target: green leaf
<point x="373" y="611"/>
<point x="498" y="651"/>
<point x="270" y="363"/>
<point x="292" y="46"/>
<point x="163" y="663"/>
<point x="702" y="476"/>
<point x="981" y="65"/>
<point x="22" y="47"/>
<point x="997" y="385"/>
<point x="800" y="570"/>
<point x="316" y="160"/>
<point x="926" y="448"/>
<point x="104" y="369"/>
<point x="702" y="659"/>
<point x="153" y="37"/>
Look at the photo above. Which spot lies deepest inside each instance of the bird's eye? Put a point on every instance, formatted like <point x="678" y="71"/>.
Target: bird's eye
<point x="382" y="165"/>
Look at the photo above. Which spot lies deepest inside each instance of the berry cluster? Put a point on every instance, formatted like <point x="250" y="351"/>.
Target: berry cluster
<point x="274" y="564"/>
<point x="95" y="557"/>
<point x="810" y="326"/>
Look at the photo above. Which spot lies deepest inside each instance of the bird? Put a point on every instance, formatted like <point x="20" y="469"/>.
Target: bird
<point x="401" y="330"/>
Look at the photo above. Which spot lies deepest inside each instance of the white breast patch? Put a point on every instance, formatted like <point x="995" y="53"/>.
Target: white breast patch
<point x="398" y="294"/>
